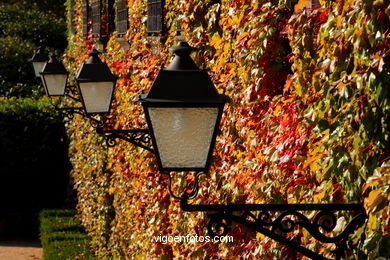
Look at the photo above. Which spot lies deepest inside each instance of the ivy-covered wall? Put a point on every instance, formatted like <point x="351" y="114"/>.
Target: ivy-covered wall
<point x="308" y="122"/>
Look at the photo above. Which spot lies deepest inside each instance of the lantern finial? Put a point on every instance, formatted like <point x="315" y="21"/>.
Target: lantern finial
<point x="182" y="59"/>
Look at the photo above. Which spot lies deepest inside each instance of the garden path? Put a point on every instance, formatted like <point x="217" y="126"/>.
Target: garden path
<point x="20" y="251"/>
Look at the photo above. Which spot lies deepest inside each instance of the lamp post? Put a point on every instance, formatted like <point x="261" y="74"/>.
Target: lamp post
<point x="183" y="111"/>
<point x="54" y="77"/>
<point x="96" y="85"/>
<point x="39" y="60"/>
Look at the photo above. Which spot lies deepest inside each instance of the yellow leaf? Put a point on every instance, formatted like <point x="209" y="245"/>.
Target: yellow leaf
<point x="215" y="40"/>
<point x="338" y="22"/>
<point x="300" y="5"/>
<point x="372" y="219"/>
<point x="314" y="166"/>
<point x="278" y="107"/>
<point x="241" y="36"/>
<point x="236" y="20"/>
<point x="373" y="198"/>
<point x="226" y="49"/>
<point x="259" y="236"/>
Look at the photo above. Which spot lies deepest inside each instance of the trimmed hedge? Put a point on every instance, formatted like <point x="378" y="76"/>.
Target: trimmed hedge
<point x="34" y="164"/>
<point x="62" y="236"/>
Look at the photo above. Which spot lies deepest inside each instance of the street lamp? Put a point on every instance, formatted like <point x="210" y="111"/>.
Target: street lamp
<point x="183" y="110"/>
<point x="39" y="60"/>
<point x="54" y="77"/>
<point x="96" y="85"/>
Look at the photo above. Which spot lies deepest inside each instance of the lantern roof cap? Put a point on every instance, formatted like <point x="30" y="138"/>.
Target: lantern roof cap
<point x="94" y="69"/>
<point x="40" y="55"/>
<point x="182" y="81"/>
<point x="53" y="66"/>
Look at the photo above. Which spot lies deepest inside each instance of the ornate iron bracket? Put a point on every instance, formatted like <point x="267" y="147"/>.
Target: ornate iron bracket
<point x="276" y="226"/>
<point x="71" y="91"/>
<point x="70" y="111"/>
<point x="137" y="137"/>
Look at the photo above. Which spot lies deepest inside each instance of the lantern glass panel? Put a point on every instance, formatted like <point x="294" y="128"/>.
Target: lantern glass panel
<point x="55" y="84"/>
<point x="38" y="67"/>
<point x="183" y="134"/>
<point x="97" y="96"/>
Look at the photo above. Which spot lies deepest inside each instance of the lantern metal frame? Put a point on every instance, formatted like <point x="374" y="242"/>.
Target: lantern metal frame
<point x="39" y="56"/>
<point x="95" y="70"/>
<point x="177" y="105"/>
<point x="183" y="85"/>
<point x="221" y="216"/>
<point x="53" y="67"/>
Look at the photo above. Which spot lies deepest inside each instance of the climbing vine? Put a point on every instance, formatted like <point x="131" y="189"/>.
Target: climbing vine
<point x="307" y="123"/>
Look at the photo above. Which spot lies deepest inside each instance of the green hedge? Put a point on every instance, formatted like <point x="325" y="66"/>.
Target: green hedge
<point x="62" y="236"/>
<point x="34" y="163"/>
<point x="39" y="27"/>
<point x="15" y="69"/>
<point x="57" y="7"/>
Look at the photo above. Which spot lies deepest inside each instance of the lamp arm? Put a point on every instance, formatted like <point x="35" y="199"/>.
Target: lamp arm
<point x="70" y="111"/>
<point x="137" y="137"/>
<point x="277" y="220"/>
<point x="70" y="91"/>
<point x="67" y="111"/>
<point x="273" y="225"/>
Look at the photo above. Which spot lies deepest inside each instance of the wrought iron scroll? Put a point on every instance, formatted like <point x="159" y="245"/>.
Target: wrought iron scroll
<point x="71" y="92"/>
<point x="69" y="112"/>
<point x="275" y="225"/>
<point x="186" y="195"/>
<point x="98" y="122"/>
<point x="137" y="137"/>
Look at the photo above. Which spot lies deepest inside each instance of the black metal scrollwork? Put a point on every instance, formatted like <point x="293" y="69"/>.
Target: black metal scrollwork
<point x="218" y="225"/>
<point x="186" y="195"/>
<point x="290" y="216"/>
<point x="70" y="111"/>
<point x="138" y="137"/>
<point x="71" y="92"/>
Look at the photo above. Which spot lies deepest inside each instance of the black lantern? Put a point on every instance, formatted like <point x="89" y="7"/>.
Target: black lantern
<point x="54" y="77"/>
<point x="39" y="60"/>
<point x="183" y="110"/>
<point x="96" y="85"/>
